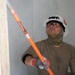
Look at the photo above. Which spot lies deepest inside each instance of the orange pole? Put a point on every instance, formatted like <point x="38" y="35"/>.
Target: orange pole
<point x="28" y="36"/>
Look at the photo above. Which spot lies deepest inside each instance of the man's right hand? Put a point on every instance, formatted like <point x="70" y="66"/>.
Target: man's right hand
<point x="30" y="61"/>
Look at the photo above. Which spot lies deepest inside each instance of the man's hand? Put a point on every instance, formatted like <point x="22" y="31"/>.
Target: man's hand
<point x="39" y="64"/>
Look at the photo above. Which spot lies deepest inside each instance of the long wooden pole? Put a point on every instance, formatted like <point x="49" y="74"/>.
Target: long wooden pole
<point x="28" y="36"/>
<point x="4" y="43"/>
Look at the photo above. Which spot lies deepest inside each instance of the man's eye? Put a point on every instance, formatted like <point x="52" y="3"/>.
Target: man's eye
<point x="51" y="24"/>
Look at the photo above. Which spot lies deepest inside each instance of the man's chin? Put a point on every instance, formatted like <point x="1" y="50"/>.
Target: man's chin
<point x="52" y="36"/>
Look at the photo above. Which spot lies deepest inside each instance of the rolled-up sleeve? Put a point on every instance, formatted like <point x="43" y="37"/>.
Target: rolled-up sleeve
<point x="29" y="52"/>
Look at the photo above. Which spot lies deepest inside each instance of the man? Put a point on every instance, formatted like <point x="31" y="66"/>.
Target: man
<point x="58" y="55"/>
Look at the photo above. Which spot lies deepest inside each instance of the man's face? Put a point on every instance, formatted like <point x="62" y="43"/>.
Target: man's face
<point x="53" y="29"/>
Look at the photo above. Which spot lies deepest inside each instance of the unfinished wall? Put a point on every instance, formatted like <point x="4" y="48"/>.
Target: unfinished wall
<point x="4" y="43"/>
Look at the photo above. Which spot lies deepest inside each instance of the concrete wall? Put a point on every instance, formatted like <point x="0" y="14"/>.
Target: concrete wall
<point x="32" y="14"/>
